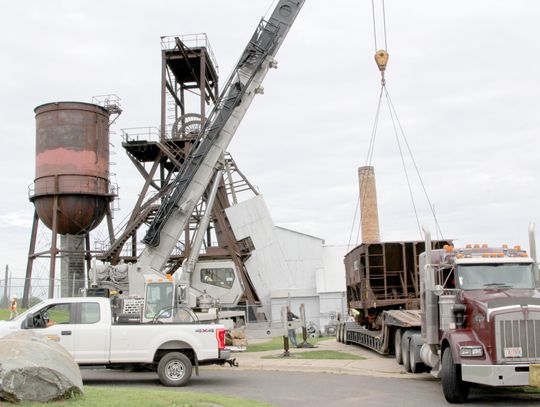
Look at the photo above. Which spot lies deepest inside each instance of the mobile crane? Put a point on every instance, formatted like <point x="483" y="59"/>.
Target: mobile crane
<point x="143" y="286"/>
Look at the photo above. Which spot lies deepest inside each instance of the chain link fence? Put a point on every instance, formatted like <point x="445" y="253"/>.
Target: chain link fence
<point x="39" y="289"/>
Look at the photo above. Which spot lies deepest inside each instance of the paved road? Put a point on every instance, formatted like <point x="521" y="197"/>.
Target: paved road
<point x="315" y="389"/>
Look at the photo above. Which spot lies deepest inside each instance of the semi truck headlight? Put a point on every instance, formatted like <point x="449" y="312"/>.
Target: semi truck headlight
<point x="471" y="351"/>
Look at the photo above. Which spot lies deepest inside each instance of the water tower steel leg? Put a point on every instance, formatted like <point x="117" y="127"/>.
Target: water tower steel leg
<point x="54" y="249"/>
<point x="30" y="263"/>
<point x="88" y="255"/>
<point x="110" y="226"/>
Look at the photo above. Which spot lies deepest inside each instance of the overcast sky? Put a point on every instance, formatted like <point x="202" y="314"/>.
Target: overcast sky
<point x="463" y="77"/>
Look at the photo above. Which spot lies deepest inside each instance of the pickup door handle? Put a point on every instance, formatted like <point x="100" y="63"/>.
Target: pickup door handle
<point x="66" y="332"/>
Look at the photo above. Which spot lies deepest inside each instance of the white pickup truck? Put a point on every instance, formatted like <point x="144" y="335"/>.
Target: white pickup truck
<point x="85" y="327"/>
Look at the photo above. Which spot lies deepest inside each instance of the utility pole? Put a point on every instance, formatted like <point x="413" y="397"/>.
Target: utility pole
<point x="6" y="285"/>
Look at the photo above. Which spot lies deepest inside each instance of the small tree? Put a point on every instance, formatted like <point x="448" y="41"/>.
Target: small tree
<point x="33" y="301"/>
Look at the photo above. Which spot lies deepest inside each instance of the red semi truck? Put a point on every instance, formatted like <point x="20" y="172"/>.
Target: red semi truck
<point x="469" y="315"/>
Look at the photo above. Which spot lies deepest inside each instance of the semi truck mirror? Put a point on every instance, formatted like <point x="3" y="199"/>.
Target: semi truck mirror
<point x="459" y="311"/>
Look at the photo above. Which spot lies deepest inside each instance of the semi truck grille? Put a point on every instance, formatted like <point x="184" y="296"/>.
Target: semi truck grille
<point x="517" y="338"/>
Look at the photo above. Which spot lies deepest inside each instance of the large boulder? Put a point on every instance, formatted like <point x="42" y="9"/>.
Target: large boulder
<point x="35" y="368"/>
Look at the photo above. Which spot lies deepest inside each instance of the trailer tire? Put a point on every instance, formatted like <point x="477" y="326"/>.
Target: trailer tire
<point x="405" y="354"/>
<point x="455" y="390"/>
<point x="398" y="334"/>
<point x="338" y="332"/>
<point x="344" y="338"/>
<point x="417" y="366"/>
<point x="174" y="369"/>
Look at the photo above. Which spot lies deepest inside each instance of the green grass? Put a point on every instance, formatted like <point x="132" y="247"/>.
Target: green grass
<point x="4" y="313"/>
<point x="277" y="343"/>
<point x="321" y="354"/>
<point x="135" y="397"/>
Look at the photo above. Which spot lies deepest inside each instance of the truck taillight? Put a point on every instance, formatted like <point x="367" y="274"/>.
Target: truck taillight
<point x="220" y="336"/>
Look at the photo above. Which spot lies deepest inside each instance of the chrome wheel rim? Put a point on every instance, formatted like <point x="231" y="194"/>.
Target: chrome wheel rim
<point x="175" y="370"/>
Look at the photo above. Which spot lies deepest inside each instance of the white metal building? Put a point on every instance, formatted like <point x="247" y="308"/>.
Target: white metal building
<point x="289" y="267"/>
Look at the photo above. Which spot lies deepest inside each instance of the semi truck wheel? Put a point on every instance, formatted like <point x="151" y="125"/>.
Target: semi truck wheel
<point x="405" y="354"/>
<point x="455" y="390"/>
<point x="174" y="369"/>
<point x="338" y="334"/>
<point x="397" y="346"/>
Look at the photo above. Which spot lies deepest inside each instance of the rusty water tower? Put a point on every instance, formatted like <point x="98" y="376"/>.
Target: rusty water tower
<point x="71" y="192"/>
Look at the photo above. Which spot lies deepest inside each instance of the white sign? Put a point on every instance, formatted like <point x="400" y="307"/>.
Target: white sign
<point x="513" y="352"/>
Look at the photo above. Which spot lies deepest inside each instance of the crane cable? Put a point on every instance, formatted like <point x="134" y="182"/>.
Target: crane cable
<point x="381" y="58"/>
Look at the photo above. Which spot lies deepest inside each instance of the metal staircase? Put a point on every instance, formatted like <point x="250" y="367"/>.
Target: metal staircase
<point x="145" y="216"/>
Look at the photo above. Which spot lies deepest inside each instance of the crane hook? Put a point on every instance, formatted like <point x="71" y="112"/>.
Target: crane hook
<point x="381" y="58"/>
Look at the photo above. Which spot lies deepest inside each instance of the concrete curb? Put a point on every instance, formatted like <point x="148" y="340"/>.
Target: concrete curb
<point x="373" y="364"/>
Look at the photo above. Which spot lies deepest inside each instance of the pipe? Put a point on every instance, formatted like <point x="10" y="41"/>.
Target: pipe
<point x="431" y="309"/>
<point x="428" y="276"/>
<point x="532" y="249"/>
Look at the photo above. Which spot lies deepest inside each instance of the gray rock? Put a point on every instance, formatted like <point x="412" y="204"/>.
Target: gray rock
<point x="35" y="368"/>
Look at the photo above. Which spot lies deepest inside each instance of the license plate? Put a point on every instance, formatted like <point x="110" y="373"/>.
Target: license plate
<point x="513" y="352"/>
<point x="534" y="375"/>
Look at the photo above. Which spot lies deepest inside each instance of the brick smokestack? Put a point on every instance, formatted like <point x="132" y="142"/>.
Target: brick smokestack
<point x="369" y="212"/>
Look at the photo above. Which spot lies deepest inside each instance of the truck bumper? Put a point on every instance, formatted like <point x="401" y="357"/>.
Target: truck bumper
<point x="225" y="354"/>
<point x="502" y="375"/>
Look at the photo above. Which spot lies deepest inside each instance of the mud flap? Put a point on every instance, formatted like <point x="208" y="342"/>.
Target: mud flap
<point x="534" y="375"/>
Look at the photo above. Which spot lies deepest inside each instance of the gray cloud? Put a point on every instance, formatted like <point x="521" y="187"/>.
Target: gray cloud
<point x="462" y="75"/>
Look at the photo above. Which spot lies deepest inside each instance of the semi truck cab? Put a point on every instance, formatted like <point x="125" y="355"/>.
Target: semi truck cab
<point x="480" y="309"/>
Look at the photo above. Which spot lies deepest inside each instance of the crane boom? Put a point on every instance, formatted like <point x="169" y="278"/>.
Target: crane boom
<point x="204" y="159"/>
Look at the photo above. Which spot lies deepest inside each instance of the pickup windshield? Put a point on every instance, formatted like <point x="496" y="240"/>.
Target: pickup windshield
<point x="486" y="276"/>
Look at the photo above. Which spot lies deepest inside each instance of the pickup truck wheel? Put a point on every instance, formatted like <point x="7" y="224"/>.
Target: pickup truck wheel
<point x="405" y="354"/>
<point x="174" y="369"/>
<point x="397" y="346"/>
<point x="454" y="388"/>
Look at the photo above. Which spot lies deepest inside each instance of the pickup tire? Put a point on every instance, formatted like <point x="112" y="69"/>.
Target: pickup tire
<point x="455" y="390"/>
<point x="174" y="369"/>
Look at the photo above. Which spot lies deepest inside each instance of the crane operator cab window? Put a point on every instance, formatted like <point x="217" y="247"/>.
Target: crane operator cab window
<point x="220" y="277"/>
<point x="159" y="296"/>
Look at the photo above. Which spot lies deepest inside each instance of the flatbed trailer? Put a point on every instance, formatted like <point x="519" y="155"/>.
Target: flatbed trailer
<point x="383" y="294"/>
<point x="380" y="340"/>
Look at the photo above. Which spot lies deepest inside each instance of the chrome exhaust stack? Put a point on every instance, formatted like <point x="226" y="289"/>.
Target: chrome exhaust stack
<point x="532" y="250"/>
